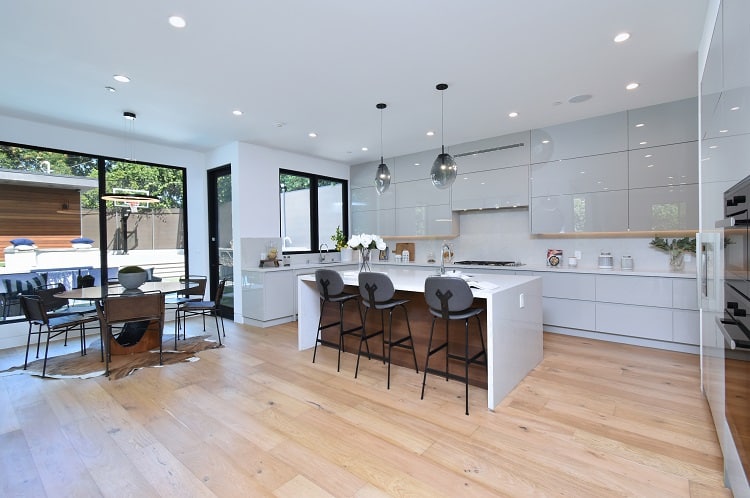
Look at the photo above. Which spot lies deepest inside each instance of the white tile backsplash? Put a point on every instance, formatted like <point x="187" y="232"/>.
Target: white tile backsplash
<point x="504" y="235"/>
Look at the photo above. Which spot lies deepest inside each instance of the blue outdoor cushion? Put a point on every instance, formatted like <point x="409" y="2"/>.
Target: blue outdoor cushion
<point x="22" y="242"/>
<point x="82" y="240"/>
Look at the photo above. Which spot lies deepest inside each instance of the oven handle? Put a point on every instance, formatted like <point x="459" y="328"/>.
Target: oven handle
<point x="721" y="323"/>
<point x="726" y="222"/>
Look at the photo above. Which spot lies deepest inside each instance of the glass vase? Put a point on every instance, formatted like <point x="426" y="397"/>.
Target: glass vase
<point x="676" y="260"/>
<point x="364" y="260"/>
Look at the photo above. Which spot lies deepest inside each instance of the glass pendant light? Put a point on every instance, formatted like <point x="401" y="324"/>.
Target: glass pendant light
<point x="383" y="174"/>
<point x="444" y="169"/>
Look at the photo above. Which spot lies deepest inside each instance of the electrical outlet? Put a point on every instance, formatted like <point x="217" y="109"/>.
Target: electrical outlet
<point x="521" y="301"/>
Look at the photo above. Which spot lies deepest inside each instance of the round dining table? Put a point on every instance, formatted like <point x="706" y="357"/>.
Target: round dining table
<point x="99" y="292"/>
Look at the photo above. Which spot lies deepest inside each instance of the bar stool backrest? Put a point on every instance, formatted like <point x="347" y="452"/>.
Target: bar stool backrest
<point x="375" y="287"/>
<point x="447" y="295"/>
<point x="329" y="283"/>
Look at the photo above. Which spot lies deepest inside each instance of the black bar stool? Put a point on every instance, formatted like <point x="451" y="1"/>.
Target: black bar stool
<point x="377" y="291"/>
<point x="450" y="298"/>
<point x="331" y="289"/>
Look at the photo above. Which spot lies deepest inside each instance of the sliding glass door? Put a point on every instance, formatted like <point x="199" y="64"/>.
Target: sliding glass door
<point x="220" y="244"/>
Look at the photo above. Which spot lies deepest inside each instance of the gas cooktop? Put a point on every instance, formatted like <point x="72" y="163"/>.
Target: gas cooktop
<point x="489" y="263"/>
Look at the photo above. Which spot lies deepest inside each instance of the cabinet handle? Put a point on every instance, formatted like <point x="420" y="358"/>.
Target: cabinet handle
<point x="731" y="305"/>
<point x="736" y="200"/>
<point x="739" y="312"/>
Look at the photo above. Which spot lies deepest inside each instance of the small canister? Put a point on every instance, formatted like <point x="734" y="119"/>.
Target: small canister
<point x="405" y="256"/>
<point x="626" y="262"/>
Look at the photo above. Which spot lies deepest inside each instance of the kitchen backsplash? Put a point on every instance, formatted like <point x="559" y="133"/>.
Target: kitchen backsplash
<point x="504" y="235"/>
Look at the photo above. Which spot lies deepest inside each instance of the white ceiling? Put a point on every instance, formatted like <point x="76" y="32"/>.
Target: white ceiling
<point x="323" y="66"/>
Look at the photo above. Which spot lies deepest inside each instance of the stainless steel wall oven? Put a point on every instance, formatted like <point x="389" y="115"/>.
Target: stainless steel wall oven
<point x="735" y="323"/>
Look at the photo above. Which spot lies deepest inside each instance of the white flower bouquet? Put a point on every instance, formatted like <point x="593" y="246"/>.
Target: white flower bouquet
<point x="364" y="243"/>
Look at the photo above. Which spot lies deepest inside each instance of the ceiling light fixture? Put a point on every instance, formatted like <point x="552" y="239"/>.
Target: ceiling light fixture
<point x="735" y="108"/>
<point x="312" y="134"/>
<point x="640" y="125"/>
<point x="621" y="37"/>
<point x="632" y="86"/>
<point x="237" y="112"/>
<point x="121" y="78"/>
<point x="177" y="22"/>
<point x="383" y="174"/>
<point x="129" y="130"/>
<point x="443" y="172"/>
<point x="513" y="114"/>
<point x="110" y="89"/>
<point x="430" y="133"/>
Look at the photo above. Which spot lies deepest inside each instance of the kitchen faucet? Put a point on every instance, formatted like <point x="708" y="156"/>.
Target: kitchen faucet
<point x="443" y="251"/>
<point x="320" y="252"/>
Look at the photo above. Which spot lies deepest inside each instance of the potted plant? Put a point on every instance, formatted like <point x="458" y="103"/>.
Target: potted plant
<point x="339" y="239"/>
<point x="131" y="277"/>
<point x="676" y="248"/>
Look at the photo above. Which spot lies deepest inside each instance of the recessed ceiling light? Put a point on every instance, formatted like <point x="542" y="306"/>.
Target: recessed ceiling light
<point x="430" y="133"/>
<point x="713" y="146"/>
<point x="121" y="78"/>
<point x="621" y="37"/>
<point x="642" y="143"/>
<point x="650" y="166"/>
<point x="632" y="86"/>
<point x="110" y="89"/>
<point x="177" y="22"/>
<point x="735" y="108"/>
<point x="365" y="149"/>
<point x="312" y="134"/>
<point x="545" y="141"/>
<point x="723" y="131"/>
<point x="513" y="114"/>
<point x="648" y="155"/>
<point x="417" y="164"/>
<point x="577" y="99"/>
<point x="237" y="112"/>
<point x="640" y="125"/>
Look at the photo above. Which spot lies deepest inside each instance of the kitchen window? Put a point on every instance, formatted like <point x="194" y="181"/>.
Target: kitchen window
<point x="312" y="206"/>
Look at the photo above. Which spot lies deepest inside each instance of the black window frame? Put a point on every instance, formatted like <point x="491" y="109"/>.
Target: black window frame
<point x="314" y="229"/>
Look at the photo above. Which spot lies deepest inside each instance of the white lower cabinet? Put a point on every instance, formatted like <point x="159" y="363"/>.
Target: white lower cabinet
<point x="655" y="308"/>
<point x="266" y="296"/>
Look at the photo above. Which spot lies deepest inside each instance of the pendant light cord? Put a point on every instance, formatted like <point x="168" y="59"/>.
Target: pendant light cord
<point x="381" y="136"/>
<point x="442" y="121"/>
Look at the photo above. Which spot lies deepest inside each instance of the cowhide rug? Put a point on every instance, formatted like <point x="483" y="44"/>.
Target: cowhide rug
<point x="73" y="365"/>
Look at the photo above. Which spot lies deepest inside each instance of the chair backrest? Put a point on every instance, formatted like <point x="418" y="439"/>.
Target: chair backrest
<point x="133" y="307"/>
<point x="199" y="290"/>
<point x="33" y="309"/>
<point x="447" y="294"/>
<point x="86" y="281"/>
<point x="375" y="287"/>
<point x="329" y="283"/>
<point x="219" y="291"/>
<point x="48" y="298"/>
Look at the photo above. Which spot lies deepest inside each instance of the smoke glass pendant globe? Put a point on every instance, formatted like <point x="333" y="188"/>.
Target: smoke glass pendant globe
<point x="382" y="178"/>
<point x="443" y="172"/>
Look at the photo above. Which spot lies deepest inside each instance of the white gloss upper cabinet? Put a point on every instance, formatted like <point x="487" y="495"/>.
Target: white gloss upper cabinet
<point x="426" y="220"/>
<point x="586" y="137"/>
<point x="368" y="199"/>
<point x="415" y="166"/>
<point x="664" y="208"/>
<point x="500" y="188"/>
<point x="421" y="193"/>
<point x="663" y="124"/>
<point x="514" y="150"/>
<point x="664" y="166"/>
<point x="584" y="174"/>
<point x="363" y="175"/>
<point x="381" y="222"/>
<point x="588" y="212"/>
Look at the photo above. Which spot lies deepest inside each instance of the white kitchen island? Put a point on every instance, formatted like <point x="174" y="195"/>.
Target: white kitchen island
<point x="513" y="321"/>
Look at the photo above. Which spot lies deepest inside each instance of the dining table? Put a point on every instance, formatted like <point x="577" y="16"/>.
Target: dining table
<point x="152" y="335"/>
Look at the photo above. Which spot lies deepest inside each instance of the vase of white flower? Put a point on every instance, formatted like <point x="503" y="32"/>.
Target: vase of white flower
<point x="364" y="243"/>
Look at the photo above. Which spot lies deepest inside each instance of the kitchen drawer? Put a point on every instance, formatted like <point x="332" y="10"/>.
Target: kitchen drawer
<point x="568" y="285"/>
<point x="634" y="321"/>
<point x="684" y="293"/>
<point x="583" y="174"/>
<point x="569" y="313"/>
<point x="686" y="327"/>
<point x="646" y="291"/>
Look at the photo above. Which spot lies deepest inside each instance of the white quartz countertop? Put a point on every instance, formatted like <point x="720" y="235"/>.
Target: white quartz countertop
<point x="412" y="279"/>
<point x="303" y="266"/>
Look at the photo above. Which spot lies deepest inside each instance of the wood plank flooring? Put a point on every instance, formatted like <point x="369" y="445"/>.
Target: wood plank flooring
<point x="258" y="418"/>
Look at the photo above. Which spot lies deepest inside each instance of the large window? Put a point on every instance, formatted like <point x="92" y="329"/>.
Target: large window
<point x="52" y="198"/>
<point x="312" y="207"/>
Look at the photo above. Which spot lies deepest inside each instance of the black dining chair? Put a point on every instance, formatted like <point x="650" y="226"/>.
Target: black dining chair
<point x="36" y="314"/>
<point x="450" y="298"/>
<point x="331" y="291"/>
<point x="204" y="308"/>
<point x="376" y="292"/>
<point x="195" y="292"/>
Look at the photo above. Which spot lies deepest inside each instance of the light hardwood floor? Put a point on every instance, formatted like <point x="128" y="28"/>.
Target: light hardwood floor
<point x="258" y="418"/>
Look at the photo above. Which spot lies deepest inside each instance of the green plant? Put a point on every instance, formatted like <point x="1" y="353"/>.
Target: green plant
<point x="131" y="269"/>
<point x="339" y="238"/>
<point x="685" y="244"/>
